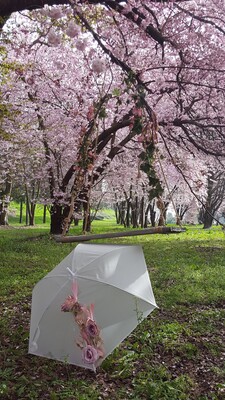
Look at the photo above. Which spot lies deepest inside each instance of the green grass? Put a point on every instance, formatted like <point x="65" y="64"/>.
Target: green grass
<point x="176" y="353"/>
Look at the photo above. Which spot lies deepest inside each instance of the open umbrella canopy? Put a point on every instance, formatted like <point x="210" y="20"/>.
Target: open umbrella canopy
<point x="89" y="303"/>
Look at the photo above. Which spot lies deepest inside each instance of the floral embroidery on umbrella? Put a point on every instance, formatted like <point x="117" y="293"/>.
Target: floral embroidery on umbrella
<point x="91" y="343"/>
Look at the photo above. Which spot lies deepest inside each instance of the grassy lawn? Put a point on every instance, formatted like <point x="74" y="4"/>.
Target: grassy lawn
<point x="177" y="353"/>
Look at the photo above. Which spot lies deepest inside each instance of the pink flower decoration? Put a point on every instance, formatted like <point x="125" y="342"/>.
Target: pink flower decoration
<point x="68" y="304"/>
<point x="91" y="342"/>
<point x="81" y="317"/>
<point x="71" y="304"/>
<point x="90" y="355"/>
<point x="85" y="336"/>
<point x="75" y="290"/>
<point x="91" y="328"/>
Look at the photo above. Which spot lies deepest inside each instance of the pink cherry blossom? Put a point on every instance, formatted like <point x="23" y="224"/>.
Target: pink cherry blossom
<point x="81" y="44"/>
<point x="98" y="66"/>
<point x="59" y="65"/>
<point x="72" y="30"/>
<point x="55" y="13"/>
<point x="53" y="38"/>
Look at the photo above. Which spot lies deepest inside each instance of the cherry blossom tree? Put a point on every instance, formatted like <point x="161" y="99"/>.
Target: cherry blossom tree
<point x="160" y="61"/>
<point x="58" y="105"/>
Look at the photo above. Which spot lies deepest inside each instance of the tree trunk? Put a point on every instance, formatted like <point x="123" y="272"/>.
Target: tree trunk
<point x="165" y="213"/>
<point x="215" y="196"/>
<point x="208" y="220"/>
<point x="31" y="220"/>
<point x="44" y="214"/>
<point x="146" y="215"/>
<point x="122" y="213"/>
<point x="27" y="214"/>
<point x="76" y="221"/>
<point x="4" y="202"/>
<point x="181" y="210"/>
<point x="128" y="213"/>
<point x="3" y="214"/>
<point x="141" y="213"/>
<point x="117" y="213"/>
<point x="56" y="219"/>
<point x="87" y="217"/>
<point x="135" y="213"/>
<point x="21" y="212"/>
<point x="30" y="212"/>
<point x="152" y="214"/>
<point x="161" y="206"/>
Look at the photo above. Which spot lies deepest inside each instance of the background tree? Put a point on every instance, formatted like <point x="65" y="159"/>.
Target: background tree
<point x="215" y="196"/>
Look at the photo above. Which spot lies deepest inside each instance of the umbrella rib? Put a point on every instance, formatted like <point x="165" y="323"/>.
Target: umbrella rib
<point x="74" y="257"/>
<point x="88" y="264"/>
<point x="100" y="281"/>
<point x="55" y="276"/>
<point x="116" y="287"/>
<point x="108" y="252"/>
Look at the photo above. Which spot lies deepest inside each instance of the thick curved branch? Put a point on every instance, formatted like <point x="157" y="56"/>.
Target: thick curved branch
<point x="111" y="155"/>
<point x="106" y="135"/>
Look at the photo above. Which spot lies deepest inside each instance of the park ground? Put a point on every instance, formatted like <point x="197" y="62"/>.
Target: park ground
<point x="177" y="353"/>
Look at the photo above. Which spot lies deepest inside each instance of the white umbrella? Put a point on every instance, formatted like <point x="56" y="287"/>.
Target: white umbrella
<point x="108" y="291"/>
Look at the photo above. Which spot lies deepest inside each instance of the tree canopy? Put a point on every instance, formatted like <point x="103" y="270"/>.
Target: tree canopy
<point x="100" y="86"/>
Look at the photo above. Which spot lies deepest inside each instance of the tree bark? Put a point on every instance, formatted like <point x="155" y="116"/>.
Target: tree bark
<point x="152" y="213"/>
<point x="146" y="216"/>
<point x="128" y="203"/>
<point x="87" y="216"/>
<point x="44" y="214"/>
<point x="122" y="213"/>
<point x="141" y="212"/>
<point x="215" y="196"/>
<point x="56" y="219"/>
<point x="208" y="220"/>
<point x="117" y="213"/>
<point x="4" y="214"/>
<point x="21" y="212"/>
<point x="148" y="231"/>
<point x="4" y="202"/>
<point x="135" y="212"/>
<point x="27" y="213"/>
